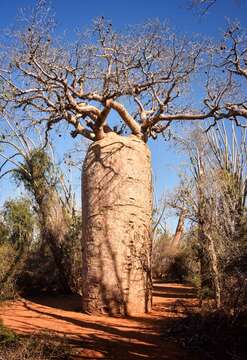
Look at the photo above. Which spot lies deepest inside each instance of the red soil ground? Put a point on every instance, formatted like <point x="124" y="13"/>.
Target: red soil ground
<point x="101" y="337"/>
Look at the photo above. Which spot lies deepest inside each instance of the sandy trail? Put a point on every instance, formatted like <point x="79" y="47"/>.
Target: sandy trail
<point x="102" y="337"/>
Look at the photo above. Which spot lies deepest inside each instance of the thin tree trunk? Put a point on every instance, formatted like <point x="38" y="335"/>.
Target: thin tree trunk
<point x="205" y="273"/>
<point x="117" y="211"/>
<point x="179" y="231"/>
<point x="54" y="232"/>
<point x="215" y="268"/>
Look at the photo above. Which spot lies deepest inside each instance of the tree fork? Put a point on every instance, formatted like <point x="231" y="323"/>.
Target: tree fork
<point x="117" y="211"/>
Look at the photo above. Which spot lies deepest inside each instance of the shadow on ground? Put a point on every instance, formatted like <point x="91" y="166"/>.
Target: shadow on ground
<point x="104" y="337"/>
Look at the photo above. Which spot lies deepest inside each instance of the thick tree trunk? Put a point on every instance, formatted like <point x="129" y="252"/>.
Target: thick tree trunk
<point x="117" y="208"/>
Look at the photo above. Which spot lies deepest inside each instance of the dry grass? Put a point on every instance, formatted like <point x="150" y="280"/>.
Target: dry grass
<point x="39" y="346"/>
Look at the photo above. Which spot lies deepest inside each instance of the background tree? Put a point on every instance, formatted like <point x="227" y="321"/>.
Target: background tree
<point x="17" y="230"/>
<point x="32" y="165"/>
<point x="216" y="202"/>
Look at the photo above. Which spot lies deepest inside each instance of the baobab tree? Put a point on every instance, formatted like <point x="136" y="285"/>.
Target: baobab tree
<point x="116" y="89"/>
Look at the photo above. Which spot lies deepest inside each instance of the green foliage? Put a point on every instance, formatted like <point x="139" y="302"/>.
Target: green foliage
<point x="178" y="269"/>
<point x="195" y="280"/>
<point x="8" y="255"/>
<point x="159" y="253"/>
<point x="205" y="292"/>
<point x="3" y="232"/>
<point x="17" y="229"/>
<point x="58" y="227"/>
<point x="19" y="221"/>
<point x="175" y="264"/>
<point x="7" y="336"/>
<point x="36" y="172"/>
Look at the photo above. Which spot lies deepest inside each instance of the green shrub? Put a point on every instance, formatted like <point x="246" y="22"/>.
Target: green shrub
<point x="7" y="336"/>
<point x="7" y="283"/>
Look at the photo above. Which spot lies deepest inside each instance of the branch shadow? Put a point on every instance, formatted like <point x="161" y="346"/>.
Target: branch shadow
<point x="109" y="292"/>
<point x="174" y="292"/>
<point x="108" y="342"/>
<point x="93" y="337"/>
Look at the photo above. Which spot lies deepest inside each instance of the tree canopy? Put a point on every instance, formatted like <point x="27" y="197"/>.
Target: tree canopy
<point x="143" y="73"/>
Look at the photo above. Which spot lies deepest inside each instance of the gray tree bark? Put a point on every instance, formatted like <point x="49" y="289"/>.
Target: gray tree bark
<point x="117" y="211"/>
<point x="55" y="230"/>
<point x="179" y="231"/>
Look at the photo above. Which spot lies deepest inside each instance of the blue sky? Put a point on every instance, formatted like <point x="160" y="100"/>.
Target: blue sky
<point x="74" y="14"/>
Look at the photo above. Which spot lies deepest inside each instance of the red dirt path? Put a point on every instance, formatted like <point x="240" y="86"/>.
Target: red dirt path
<point x="101" y="337"/>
